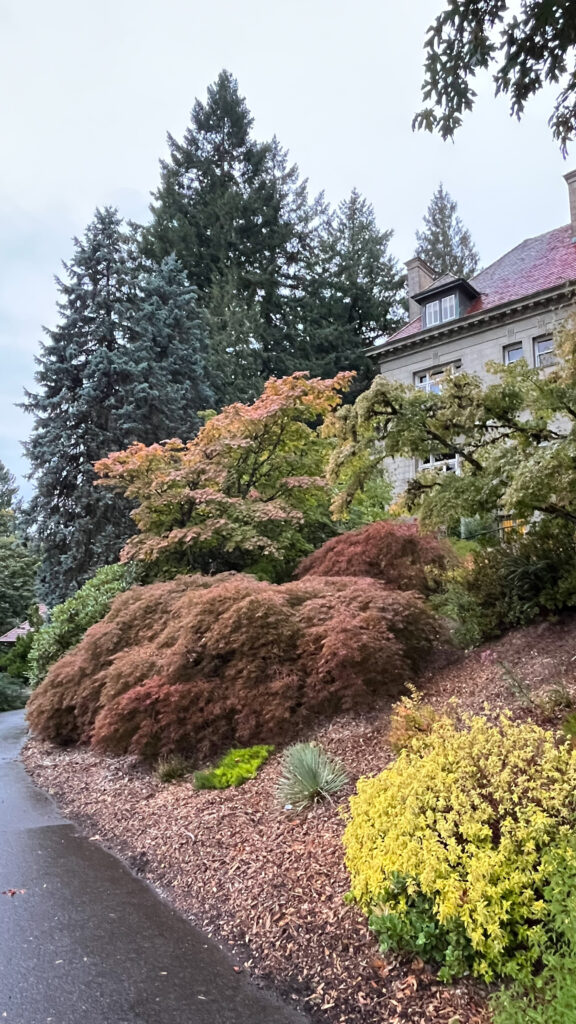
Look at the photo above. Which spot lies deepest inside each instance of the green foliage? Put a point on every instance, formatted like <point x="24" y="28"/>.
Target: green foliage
<point x="17" y="581"/>
<point x="12" y="694"/>
<point x="515" y="439"/>
<point x="444" y="243"/>
<point x="285" y="283"/>
<point x="530" y="46"/>
<point x="70" y="620"/>
<point x="15" y="662"/>
<point x="550" y="997"/>
<point x="405" y="921"/>
<point x="172" y="768"/>
<point x="308" y="775"/>
<point x="474" y="823"/>
<point x="511" y="582"/>
<point x="124" y="363"/>
<point x="236" y="767"/>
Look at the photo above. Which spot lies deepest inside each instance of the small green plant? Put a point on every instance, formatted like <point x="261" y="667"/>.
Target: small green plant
<point x="236" y="767"/>
<point x="308" y="776"/>
<point x="556" y="698"/>
<point x="170" y="769"/>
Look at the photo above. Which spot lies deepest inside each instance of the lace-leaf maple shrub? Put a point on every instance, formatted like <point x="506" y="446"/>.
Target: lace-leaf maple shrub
<point x="198" y="665"/>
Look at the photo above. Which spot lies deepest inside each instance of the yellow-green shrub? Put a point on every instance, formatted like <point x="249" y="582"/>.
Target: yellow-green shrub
<point x="411" y="721"/>
<point x="459" y="837"/>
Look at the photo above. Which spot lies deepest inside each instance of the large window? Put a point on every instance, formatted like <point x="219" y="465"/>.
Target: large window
<point x="512" y="353"/>
<point x="544" y="352"/>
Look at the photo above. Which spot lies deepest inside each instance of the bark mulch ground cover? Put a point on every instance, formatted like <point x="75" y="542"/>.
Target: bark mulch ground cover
<point x="269" y="885"/>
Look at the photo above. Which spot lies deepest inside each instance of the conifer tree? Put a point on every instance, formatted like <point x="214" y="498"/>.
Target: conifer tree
<point x="355" y="292"/>
<point x="444" y="243"/>
<point x="17" y="563"/>
<point x="124" y="363"/>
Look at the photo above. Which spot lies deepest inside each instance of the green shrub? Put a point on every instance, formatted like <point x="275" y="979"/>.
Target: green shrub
<point x="12" y="694"/>
<point x="550" y="998"/>
<point x="512" y="582"/>
<point x="236" y="767"/>
<point x="308" y="776"/>
<point x="169" y="769"/>
<point x="70" y="620"/>
<point x="473" y="824"/>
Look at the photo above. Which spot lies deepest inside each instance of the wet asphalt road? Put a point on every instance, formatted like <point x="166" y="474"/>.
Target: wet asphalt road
<point x="87" y="942"/>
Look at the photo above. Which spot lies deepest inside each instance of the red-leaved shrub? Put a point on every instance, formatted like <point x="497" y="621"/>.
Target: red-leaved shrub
<point x="200" y="664"/>
<point x="392" y="551"/>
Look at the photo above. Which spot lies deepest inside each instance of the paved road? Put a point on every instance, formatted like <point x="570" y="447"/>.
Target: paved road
<point x="87" y="942"/>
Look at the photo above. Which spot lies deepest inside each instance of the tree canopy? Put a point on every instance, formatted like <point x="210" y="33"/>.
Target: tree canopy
<point x="17" y="563"/>
<point x="527" y="48"/>
<point x="514" y="439"/>
<point x="248" y="493"/>
<point x="444" y="243"/>
<point x="125" y="362"/>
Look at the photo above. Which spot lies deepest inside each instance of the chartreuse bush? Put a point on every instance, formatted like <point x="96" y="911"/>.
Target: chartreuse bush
<point x="70" y="620"/>
<point x="453" y="848"/>
<point x="236" y="767"/>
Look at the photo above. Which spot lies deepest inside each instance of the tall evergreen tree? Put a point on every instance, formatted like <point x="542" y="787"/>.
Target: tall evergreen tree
<point x="355" y="292"/>
<point x="8" y="492"/>
<point x="17" y="563"/>
<point x="123" y="364"/>
<point x="237" y="216"/>
<point x="445" y="243"/>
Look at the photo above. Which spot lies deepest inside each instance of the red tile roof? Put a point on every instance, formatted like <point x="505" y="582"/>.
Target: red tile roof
<point x="21" y="630"/>
<point x="537" y="264"/>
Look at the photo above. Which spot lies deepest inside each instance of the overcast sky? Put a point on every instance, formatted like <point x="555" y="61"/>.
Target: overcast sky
<point x="90" y="89"/>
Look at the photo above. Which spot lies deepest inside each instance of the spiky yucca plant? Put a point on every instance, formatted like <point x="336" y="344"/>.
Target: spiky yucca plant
<point x="308" y="776"/>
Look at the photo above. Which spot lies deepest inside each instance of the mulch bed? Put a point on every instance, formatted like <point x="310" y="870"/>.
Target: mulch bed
<point x="269" y="885"/>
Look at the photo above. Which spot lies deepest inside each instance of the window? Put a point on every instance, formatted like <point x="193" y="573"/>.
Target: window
<point x="513" y="352"/>
<point x="432" y="310"/>
<point x="449" y="307"/>
<point x="431" y="380"/>
<point x="544" y="352"/>
<point x="446" y="463"/>
<point x="439" y="310"/>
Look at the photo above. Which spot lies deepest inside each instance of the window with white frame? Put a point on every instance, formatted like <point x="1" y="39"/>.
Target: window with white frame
<point x="448" y="307"/>
<point x="431" y="380"/>
<point x="445" y="463"/>
<point x="512" y="353"/>
<point x="432" y="313"/>
<point x="544" y="352"/>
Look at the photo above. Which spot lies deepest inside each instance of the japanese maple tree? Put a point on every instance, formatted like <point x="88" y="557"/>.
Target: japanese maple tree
<point x="247" y="493"/>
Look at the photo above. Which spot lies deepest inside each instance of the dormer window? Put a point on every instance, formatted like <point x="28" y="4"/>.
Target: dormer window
<point x="439" y="310"/>
<point x="446" y="299"/>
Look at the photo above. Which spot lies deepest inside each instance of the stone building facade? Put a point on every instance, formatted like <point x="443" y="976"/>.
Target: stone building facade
<point x="506" y="312"/>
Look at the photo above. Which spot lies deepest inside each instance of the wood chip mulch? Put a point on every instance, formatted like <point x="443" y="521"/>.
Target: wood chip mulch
<point x="269" y="885"/>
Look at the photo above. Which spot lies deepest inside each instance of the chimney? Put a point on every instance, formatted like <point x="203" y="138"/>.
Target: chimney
<point x="570" y="180"/>
<point x="421" y="276"/>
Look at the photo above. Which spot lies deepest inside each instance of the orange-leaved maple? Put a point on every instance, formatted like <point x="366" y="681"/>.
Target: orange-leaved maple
<point x="249" y="492"/>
